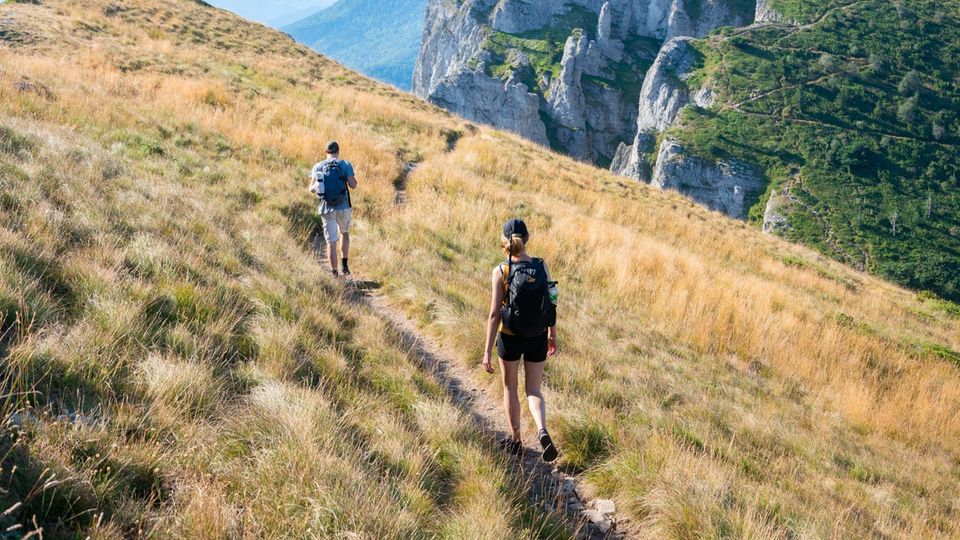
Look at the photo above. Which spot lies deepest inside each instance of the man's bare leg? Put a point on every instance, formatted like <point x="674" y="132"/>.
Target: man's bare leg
<point x="332" y="254"/>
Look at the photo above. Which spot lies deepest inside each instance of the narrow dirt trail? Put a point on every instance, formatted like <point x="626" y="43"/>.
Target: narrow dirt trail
<point x="548" y="488"/>
<point x="400" y="183"/>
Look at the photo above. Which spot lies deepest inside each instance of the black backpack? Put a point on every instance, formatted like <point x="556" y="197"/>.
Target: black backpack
<point x="527" y="310"/>
<point x="335" y="190"/>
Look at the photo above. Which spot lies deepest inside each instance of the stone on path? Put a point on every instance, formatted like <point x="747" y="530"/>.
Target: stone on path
<point x="605" y="506"/>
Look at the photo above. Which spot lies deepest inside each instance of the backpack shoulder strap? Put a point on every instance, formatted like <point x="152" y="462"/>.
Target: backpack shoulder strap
<point x="505" y="272"/>
<point x="538" y="265"/>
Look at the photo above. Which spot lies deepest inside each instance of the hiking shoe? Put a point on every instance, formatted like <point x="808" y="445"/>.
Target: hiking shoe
<point x="510" y="445"/>
<point x="345" y="270"/>
<point x="549" y="450"/>
<point x="334" y="273"/>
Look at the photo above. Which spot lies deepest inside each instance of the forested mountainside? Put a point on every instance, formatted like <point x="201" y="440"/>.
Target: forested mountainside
<point x="850" y="112"/>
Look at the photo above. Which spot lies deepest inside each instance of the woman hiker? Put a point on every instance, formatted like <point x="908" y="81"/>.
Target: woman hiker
<point x="523" y="321"/>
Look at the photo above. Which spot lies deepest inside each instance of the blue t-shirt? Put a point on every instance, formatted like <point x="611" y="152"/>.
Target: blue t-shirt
<point x="347" y="170"/>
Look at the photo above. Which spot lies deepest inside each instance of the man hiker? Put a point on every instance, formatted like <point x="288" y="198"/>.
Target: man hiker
<point x="331" y="180"/>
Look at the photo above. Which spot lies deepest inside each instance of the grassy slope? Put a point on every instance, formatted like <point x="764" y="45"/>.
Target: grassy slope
<point x="714" y="381"/>
<point x="857" y="115"/>
<point x="192" y="370"/>
<point x="379" y="38"/>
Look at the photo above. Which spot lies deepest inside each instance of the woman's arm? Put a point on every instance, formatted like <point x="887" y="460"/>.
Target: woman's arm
<point x="551" y="331"/>
<point x="493" y="321"/>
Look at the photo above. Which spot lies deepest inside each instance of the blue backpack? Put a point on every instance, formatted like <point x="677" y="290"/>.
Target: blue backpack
<point x="335" y="190"/>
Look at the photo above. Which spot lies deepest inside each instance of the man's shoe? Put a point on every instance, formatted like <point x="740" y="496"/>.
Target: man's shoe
<point x="334" y="272"/>
<point x="344" y="269"/>
<point x="549" y="450"/>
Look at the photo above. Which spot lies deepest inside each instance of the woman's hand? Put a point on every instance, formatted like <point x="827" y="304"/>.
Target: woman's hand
<point x="487" y="363"/>
<point x="551" y="346"/>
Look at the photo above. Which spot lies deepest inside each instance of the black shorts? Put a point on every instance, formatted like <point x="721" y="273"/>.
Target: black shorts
<point x="532" y="349"/>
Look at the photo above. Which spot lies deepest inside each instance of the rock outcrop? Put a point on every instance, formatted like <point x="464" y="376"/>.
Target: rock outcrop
<point x="766" y="14"/>
<point x="507" y="104"/>
<point x="521" y="16"/>
<point x="663" y="94"/>
<point x="775" y="214"/>
<point x="452" y="37"/>
<point x="588" y="119"/>
<point x="725" y="186"/>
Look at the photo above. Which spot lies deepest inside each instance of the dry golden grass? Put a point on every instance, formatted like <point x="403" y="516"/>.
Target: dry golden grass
<point x="714" y="381"/>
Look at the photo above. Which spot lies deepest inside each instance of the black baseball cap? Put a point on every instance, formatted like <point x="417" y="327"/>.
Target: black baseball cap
<point x="515" y="226"/>
<point x="333" y="147"/>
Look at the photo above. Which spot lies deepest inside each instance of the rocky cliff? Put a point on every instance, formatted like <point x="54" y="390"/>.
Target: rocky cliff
<point x="567" y="73"/>
<point x="663" y="95"/>
<point x="727" y="186"/>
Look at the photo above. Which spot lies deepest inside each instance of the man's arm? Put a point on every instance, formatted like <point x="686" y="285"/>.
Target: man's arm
<point x="351" y="176"/>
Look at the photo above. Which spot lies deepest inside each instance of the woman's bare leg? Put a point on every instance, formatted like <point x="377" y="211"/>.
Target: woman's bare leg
<point x="533" y="378"/>
<point x="511" y="402"/>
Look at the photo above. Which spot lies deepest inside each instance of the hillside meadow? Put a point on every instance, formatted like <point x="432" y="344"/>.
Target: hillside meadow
<point x="177" y="363"/>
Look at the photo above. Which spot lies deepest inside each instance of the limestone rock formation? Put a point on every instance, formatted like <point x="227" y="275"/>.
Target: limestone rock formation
<point x="507" y="104"/>
<point x="724" y="186"/>
<point x="775" y="214"/>
<point x="587" y="60"/>
<point x="664" y="93"/>
<point x="452" y="37"/>
<point x="766" y="14"/>
<point x="597" y="79"/>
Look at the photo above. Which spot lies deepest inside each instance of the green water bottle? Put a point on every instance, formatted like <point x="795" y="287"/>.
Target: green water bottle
<point x="552" y="290"/>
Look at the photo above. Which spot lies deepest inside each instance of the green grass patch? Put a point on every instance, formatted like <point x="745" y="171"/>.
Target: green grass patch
<point x="12" y="142"/>
<point x="585" y="442"/>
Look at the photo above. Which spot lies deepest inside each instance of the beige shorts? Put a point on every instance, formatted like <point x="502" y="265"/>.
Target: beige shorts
<point x="336" y="222"/>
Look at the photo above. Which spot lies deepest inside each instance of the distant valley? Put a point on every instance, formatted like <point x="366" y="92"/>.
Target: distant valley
<point x="380" y="38"/>
<point x="273" y="13"/>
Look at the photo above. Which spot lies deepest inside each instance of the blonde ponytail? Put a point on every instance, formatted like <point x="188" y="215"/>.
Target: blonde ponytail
<point x="514" y="245"/>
